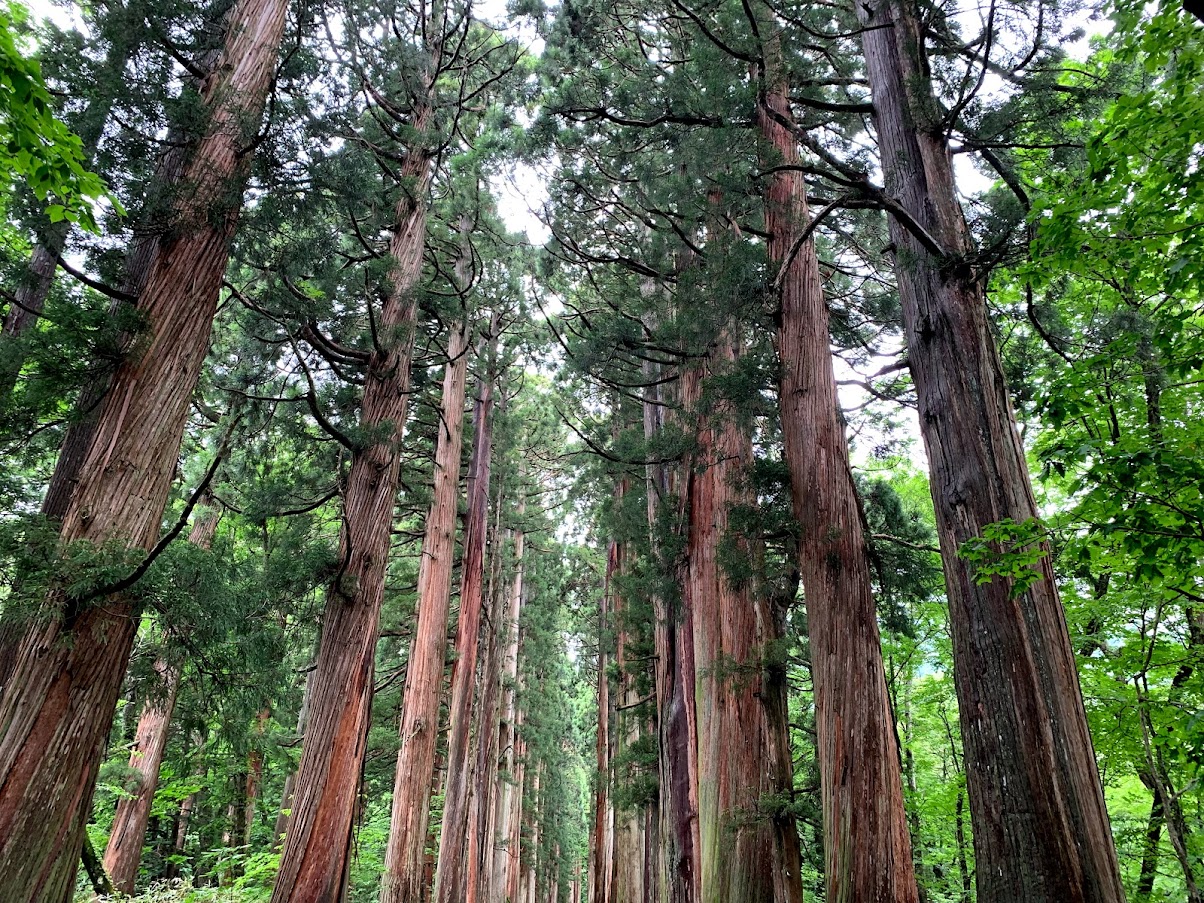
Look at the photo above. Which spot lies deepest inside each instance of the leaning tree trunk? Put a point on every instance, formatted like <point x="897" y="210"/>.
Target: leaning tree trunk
<point x="124" y="850"/>
<point x="1041" y="830"/>
<point x="54" y="717"/>
<point x="450" y="872"/>
<point x="867" y="846"/>
<point x="402" y="879"/>
<point x="736" y="842"/>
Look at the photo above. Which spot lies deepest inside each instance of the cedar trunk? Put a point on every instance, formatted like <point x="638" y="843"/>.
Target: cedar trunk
<point x="1041" y="831"/>
<point x="66" y="680"/>
<point x="124" y="850"/>
<point x="450" y="872"/>
<point x="867" y="846"/>
<point x="402" y="881"/>
<point x="600" y="852"/>
<point x="736" y="844"/>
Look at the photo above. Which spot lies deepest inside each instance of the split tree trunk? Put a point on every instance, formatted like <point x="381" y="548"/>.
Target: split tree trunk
<point x="1041" y="830"/>
<point x="128" y="834"/>
<point x="402" y="881"/>
<point x="65" y="683"/>
<point x="867" y="846"/>
<point x="450" y="872"/>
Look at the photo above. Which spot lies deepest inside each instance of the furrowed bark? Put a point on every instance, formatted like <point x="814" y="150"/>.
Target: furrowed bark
<point x="449" y="874"/>
<point x="1041" y="831"/>
<point x="402" y="881"/>
<point x="867" y="845"/>
<point x="124" y="850"/>
<point x="54" y="716"/>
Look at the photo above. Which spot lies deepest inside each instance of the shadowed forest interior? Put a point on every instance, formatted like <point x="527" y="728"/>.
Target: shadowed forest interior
<point x="605" y="451"/>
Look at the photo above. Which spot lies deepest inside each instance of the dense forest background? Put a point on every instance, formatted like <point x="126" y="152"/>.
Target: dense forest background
<point x="713" y="450"/>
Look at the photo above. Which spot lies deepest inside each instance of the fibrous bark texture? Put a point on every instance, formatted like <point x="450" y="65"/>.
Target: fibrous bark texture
<point x="54" y="717"/>
<point x="1041" y="831"/>
<point x="867" y="846"/>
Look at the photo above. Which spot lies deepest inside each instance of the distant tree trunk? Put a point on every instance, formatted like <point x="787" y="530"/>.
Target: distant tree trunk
<point x="737" y="843"/>
<point x="254" y="773"/>
<point x="450" y="871"/>
<point x="507" y="726"/>
<point x="514" y="842"/>
<point x="1041" y="830"/>
<point x="627" y="862"/>
<point x="1149" y="852"/>
<point x="128" y="833"/>
<point x="600" y="852"/>
<point x="67" y="677"/>
<point x="402" y="879"/>
<point x="290" y="782"/>
<point x="867" y="846"/>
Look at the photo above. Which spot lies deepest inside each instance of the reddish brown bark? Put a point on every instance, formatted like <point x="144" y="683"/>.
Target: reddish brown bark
<point x="402" y="879"/>
<point x="450" y="872"/>
<point x="1041" y="831"/>
<point x="124" y="850"/>
<point x="67" y="677"/>
<point x="867" y="845"/>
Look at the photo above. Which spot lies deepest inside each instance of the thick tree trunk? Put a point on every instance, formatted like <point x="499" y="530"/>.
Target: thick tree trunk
<point x="128" y="833"/>
<point x="450" y="872"/>
<point x="54" y="717"/>
<point x="402" y="879"/>
<point x="1041" y="831"/>
<point x="736" y="841"/>
<point x="867" y="846"/>
<point x="507" y="734"/>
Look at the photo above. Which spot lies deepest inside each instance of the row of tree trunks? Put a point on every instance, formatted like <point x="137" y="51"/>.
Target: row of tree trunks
<point x="867" y="845"/>
<point x="450" y="872"/>
<point x="124" y="850"/>
<point x="1041" y="832"/>
<point x="403" y="875"/>
<point x="57" y="710"/>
